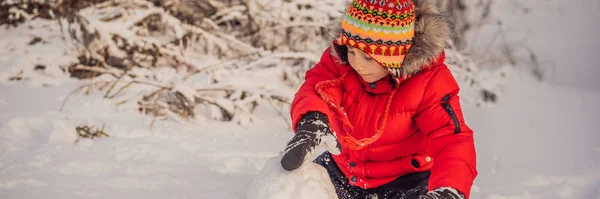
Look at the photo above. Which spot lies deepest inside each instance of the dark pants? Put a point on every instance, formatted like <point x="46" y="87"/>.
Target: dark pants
<point x="409" y="186"/>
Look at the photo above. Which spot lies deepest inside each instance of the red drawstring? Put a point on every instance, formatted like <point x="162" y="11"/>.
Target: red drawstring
<point x="347" y="140"/>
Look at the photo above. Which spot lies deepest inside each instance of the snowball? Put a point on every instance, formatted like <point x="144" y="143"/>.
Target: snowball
<point x="310" y="181"/>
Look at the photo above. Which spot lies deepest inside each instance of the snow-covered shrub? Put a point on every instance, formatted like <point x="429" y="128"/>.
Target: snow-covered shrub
<point x="189" y="60"/>
<point x="471" y="20"/>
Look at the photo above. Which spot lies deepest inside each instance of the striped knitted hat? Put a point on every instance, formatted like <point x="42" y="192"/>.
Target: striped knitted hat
<point x="383" y="29"/>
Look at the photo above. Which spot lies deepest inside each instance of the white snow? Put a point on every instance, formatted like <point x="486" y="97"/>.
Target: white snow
<point x="538" y="142"/>
<point x="329" y="142"/>
<point x="307" y="182"/>
<point x="186" y="91"/>
<point x="38" y="56"/>
<point x="563" y="35"/>
<point x="38" y="156"/>
<point x="524" y="151"/>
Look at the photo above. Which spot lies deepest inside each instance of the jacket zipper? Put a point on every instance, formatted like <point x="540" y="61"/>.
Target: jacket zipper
<point x="450" y="112"/>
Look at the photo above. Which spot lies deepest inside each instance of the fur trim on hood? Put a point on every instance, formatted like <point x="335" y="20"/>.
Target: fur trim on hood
<point x="431" y="33"/>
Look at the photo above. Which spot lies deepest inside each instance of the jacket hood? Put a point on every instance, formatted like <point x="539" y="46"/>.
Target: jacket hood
<point x="431" y="33"/>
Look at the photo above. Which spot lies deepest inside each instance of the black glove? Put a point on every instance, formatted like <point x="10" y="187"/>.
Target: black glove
<point x="443" y="193"/>
<point x="312" y="131"/>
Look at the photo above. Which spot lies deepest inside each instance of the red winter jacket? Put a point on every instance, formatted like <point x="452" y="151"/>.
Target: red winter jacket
<point x="425" y="129"/>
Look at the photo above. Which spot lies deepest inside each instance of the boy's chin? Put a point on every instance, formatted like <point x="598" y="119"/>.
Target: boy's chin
<point x="370" y="79"/>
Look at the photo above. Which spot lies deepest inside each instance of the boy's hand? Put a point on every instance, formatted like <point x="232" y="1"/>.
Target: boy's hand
<point x="443" y="193"/>
<point x="312" y="131"/>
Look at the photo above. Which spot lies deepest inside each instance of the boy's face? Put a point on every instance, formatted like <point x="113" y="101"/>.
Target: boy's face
<point x="365" y="66"/>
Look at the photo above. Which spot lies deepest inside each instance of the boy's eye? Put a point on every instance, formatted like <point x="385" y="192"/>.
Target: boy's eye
<point x="368" y="58"/>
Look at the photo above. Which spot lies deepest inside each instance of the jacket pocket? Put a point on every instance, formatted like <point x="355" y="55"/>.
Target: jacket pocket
<point x="417" y="163"/>
<point x="450" y="111"/>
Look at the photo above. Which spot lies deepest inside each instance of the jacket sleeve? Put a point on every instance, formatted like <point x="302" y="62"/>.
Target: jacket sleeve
<point x="307" y="99"/>
<point x="451" y="141"/>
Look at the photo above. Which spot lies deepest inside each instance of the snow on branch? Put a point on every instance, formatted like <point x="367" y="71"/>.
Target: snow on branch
<point x="191" y="60"/>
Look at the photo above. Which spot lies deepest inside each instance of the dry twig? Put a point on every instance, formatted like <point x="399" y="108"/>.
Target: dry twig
<point x="90" y="132"/>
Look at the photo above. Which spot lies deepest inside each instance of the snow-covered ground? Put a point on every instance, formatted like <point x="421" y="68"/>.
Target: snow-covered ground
<point x="541" y="140"/>
<point x="538" y="142"/>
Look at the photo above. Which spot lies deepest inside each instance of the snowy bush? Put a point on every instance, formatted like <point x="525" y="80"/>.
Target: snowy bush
<point x="186" y="59"/>
<point x="476" y="26"/>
